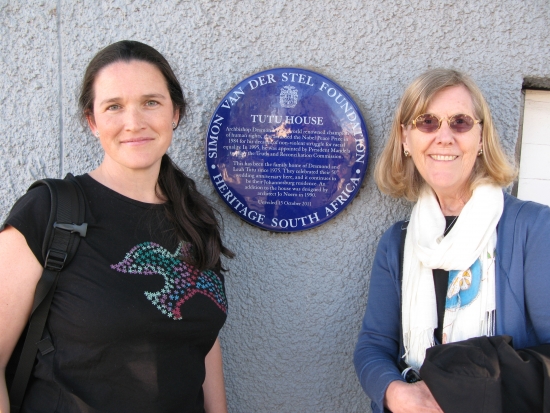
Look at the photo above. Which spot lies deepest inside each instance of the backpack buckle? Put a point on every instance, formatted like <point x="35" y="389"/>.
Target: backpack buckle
<point x="55" y="260"/>
<point x="81" y="229"/>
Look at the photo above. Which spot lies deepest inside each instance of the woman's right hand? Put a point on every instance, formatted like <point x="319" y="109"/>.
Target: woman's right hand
<point x="402" y="397"/>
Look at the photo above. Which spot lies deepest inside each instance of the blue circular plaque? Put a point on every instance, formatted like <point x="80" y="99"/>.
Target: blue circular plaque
<point x="287" y="149"/>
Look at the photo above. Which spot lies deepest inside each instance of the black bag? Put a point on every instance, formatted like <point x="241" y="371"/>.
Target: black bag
<point x="486" y="375"/>
<point x="65" y="227"/>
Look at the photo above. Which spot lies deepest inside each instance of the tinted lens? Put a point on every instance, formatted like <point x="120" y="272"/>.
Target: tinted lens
<point x="461" y="123"/>
<point x="427" y="123"/>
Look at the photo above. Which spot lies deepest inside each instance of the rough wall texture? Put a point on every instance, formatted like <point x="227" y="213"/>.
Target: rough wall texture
<point x="296" y="300"/>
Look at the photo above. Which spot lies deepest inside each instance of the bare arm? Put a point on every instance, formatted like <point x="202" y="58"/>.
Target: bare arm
<point x="404" y="397"/>
<point x="214" y="387"/>
<point x="19" y="274"/>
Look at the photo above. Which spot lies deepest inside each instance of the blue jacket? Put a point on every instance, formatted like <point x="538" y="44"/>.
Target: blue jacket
<point x="522" y="294"/>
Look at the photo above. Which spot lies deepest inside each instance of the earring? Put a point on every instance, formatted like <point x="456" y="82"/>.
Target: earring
<point x="406" y="153"/>
<point x="174" y="125"/>
<point x="97" y="134"/>
<point x="480" y="152"/>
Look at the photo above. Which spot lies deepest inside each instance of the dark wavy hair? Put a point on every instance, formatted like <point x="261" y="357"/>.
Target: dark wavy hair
<point x="190" y="212"/>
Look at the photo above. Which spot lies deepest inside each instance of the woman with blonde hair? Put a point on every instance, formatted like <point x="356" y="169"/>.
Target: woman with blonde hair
<point x="471" y="260"/>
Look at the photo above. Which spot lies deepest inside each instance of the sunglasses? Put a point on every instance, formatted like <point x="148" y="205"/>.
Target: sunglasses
<point x="459" y="123"/>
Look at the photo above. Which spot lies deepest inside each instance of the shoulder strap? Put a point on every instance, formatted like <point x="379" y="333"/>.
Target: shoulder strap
<point x="409" y="374"/>
<point x="404" y="226"/>
<point x="65" y="227"/>
<point x="66" y="221"/>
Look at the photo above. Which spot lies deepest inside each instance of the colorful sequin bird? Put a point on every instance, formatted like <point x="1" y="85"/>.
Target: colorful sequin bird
<point x="181" y="280"/>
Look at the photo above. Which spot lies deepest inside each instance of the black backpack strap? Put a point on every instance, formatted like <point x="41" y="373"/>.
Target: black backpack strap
<point x="65" y="227"/>
<point x="65" y="223"/>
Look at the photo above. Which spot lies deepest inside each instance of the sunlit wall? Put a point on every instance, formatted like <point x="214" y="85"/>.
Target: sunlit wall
<point x="295" y="300"/>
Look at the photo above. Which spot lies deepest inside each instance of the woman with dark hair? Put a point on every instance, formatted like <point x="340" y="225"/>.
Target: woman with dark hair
<point x="136" y="314"/>
<point x="472" y="260"/>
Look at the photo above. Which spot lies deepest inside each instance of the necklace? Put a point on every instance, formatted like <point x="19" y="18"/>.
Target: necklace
<point x="450" y="226"/>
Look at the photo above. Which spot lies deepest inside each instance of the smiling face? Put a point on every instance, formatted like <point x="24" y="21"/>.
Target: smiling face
<point x="133" y="113"/>
<point x="445" y="158"/>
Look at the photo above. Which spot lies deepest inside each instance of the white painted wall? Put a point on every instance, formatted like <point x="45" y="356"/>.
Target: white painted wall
<point x="534" y="171"/>
<point x="295" y="300"/>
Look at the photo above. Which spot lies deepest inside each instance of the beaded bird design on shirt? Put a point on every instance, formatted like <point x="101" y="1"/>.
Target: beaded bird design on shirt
<point x="181" y="280"/>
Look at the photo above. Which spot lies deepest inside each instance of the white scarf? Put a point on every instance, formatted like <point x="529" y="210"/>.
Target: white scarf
<point x="469" y="247"/>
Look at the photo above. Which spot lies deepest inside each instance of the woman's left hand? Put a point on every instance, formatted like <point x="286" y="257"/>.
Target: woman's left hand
<point x="404" y="397"/>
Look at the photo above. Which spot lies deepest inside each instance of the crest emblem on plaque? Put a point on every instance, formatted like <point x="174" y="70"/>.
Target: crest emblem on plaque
<point x="288" y="97"/>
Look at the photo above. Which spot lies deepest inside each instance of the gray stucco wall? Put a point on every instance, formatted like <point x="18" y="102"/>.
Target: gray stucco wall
<point x="296" y="300"/>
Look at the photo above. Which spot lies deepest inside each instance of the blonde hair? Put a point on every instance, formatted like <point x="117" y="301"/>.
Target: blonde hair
<point x="396" y="175"/>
